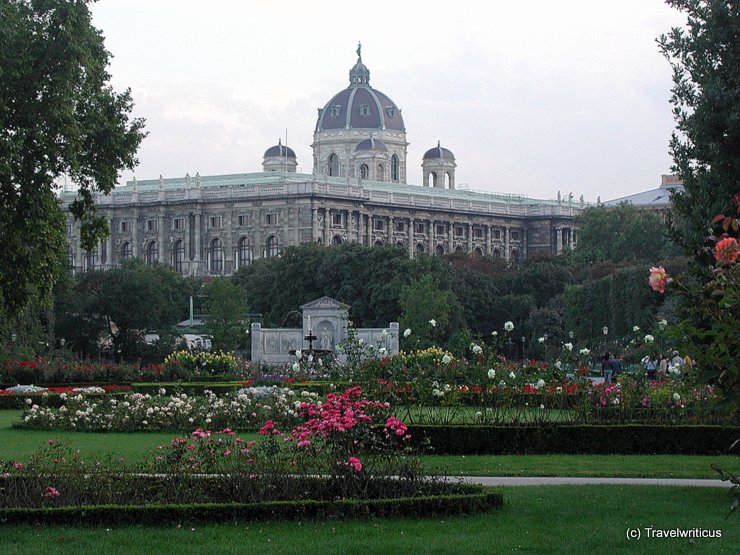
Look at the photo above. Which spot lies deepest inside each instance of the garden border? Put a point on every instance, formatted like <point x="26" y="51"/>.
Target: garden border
<point x="627" y="439"/>
<point x="478" y="498"/>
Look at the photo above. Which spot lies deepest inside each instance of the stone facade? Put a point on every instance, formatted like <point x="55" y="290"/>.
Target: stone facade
<point x="211" y="226"/>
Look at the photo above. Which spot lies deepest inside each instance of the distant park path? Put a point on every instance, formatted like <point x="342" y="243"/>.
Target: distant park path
<point x="556" y="481"/>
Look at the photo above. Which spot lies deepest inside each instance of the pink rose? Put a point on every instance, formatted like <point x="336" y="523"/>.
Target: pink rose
<point x="657" y="279"/>
<point x="355" y="463"/>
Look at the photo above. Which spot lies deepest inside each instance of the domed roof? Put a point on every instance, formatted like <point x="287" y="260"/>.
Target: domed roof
<point x="280" y="150"/>
<point x="438" y="153"/>
<point x="371" y="144"/>
<point x="359" y="106"/>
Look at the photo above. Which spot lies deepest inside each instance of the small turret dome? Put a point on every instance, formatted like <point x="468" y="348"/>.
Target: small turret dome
<point x="438" y="153"/>
<point x="280" y="150"/>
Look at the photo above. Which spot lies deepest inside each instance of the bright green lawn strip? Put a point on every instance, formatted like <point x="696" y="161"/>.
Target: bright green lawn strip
<point x="550" y="519"/>
<point x="16" y="444"/>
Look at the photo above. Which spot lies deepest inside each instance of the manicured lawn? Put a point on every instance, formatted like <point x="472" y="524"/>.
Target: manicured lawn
<point x="19" y="444"/>
<point x="552" y="519"/>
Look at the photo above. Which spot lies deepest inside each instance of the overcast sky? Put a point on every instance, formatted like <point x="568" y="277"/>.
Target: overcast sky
<point x="532" y="97"/>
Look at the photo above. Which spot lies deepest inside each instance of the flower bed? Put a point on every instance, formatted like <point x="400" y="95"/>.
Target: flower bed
<point x="245" y="409"/>
<point x="346" y="457"/>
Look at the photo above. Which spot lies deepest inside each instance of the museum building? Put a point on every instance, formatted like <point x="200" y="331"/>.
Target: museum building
<point x="213" y="225"/>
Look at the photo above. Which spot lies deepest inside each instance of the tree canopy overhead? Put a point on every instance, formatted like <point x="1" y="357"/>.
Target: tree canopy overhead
<point x="59" y="117"/>
<point x="705" y="57"/>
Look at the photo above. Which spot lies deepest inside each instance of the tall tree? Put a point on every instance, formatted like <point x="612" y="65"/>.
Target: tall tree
<point x="705" y="57"/>
<point x="225" y="314"/>
<point x="58" y="117"/>
<point x="622" y="233"/>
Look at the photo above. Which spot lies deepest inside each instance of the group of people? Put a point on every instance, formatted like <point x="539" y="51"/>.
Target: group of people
<point x="657" y="366"/>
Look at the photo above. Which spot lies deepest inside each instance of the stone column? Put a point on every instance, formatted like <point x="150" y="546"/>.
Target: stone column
<point x="391" y="231"/>
<point x="411" y="238"/>
<point x="470" y="238"/>
<point x="135" y="234"/>
<point x="227" y="242"/>
<point x="558" y="240"/>
<point x="370" y="229"/>
<point x="162" y="238"/>
<point x="571" y="242"/>
<point x="450" y="238"/>
<point x="256" y="343"/>
<point x="197" y="221"/>
<point x="431" y="231"/>
<point x="109" y="246"/>
<point x="327" y="217"/>
<point x="489" y="245"/>
<point x="524" y="243"/>
<point x="188" y="239"/>
<point x="507" y="250"/>
<point x="314" y="224"/>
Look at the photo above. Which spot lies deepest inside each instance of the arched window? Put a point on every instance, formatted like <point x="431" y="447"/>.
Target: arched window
<point x="439" y="250"/>
<point x="364" y="171"/>
<point x="448" y="180"/>
<point x="433" y="179"/>
<point x="496" y="253"/>
<point x="178" y="255"/>
<point x="216" y="257"/>
<point x="126" y="251"/>
<point x="394" y="168"/>
<point x="272" y="247"/>
<point x="419" y="248"/>
<point x="337" y="240"/>
<point x="459" y="249"/>
<point x="514" y="256"/>
<point x="244" y="252"/>
<point x="478" y="251"/>
<point x="380" y="175"/>
<point x="70" y="256"/>
<point x="332" y="168"/>
<point x="151" y="253"/>
<point x="378" y="243"/>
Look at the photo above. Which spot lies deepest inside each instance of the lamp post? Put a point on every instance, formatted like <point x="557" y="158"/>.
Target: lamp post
<point x="524" y="356"/>
<point x="62" y="342"/>
<point x="13" y="339"/>
<point x="571" y="335"/>
<point x="605" y="331"/>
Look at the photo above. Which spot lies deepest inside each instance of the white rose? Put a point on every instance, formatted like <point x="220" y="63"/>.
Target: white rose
<point x="508" y="326"/>
<point x="569" y="346"/>
<point x="446" y="359"/>
<point x="636" y="328"/>
<point x="512" y="375"/>
<point x="407" y="332"/>
<point x="541" y="339"/>
<point x="433" y="322"/>
<point x="491" y="373"/>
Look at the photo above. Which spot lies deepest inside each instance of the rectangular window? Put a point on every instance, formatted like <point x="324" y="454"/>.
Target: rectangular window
<point x="151" y="225"/>
<point x="459" y="231"/>
<point x="70" y="229"/>
<point x="216" y="222"/>
<point x="336" y="220"/>
<point x="441" y="230"/>
<point x="271" y="219"/>
<point x="400" y="226"/>
<point x="514" y="235"/>
<point x="243" y="220"/>
<point x="497" y="234"/>
<point x="477" y="232"/>
<point x="178" y="223"/>
<point x="378" y="225"/>
<point x="125" y="227"/>
<point x="420" y="227"/>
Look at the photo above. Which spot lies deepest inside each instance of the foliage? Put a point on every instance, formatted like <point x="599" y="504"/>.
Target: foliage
<point x="575" y="439"/>
<point x="114" y="309"/>
<point x="706" y="107"/>
<point x="225" y="315"/>
<point x="429" y="312"/>
<point x="194" y="364"/>
<point x="622" y="233"/>
<point x="59" y="118"/>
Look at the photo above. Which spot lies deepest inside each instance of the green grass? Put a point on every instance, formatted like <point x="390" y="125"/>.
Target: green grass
<point x="552" y="519"/>
<point x="18" y="444"/>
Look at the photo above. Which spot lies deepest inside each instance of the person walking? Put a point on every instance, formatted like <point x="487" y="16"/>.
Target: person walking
<point x="607" y="369"/>
<point x="663" y="367"/>
<point x="652" y="367"/>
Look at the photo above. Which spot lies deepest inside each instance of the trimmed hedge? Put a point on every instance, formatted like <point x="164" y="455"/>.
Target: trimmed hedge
<point x="593" y="440"/>
<point x="472" y="499"/>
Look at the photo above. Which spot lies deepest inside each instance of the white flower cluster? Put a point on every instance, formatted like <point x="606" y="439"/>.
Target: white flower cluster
<point x="477" y="349"/>
<point x="246" y="409"/>
<point x="649" y="338"/>
<point x="508" y="326"/>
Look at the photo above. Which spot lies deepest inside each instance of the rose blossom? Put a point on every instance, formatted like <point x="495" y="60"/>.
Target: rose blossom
<point x="657" y="279"/>
<point x="355" y="463"/>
